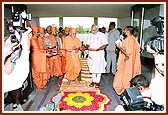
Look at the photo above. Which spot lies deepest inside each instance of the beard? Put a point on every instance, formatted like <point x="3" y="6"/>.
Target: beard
<point x="124" y="35"/>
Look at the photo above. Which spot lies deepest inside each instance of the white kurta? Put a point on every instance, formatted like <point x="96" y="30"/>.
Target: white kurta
<point x="20" y="72"/>
<point x="157" y="87"/>
<point x="96" y="59"/>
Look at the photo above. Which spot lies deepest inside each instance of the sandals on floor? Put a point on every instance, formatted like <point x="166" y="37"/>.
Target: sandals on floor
<point x="97" y="85"/>
<point x="92" y="84"/>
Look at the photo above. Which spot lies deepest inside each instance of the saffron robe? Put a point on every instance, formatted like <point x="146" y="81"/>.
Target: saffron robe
<point x="63" y="62"/>
<point x="127" y="69"/>
<point x="57" y="60"/>
<point x="73" y="65"/>
<point x="50" y="60"/>
<point x="38" y="62"/>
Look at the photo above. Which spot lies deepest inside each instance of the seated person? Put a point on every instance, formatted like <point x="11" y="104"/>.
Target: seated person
<point x="141" y="82"/>
<point x="158" y="82"/>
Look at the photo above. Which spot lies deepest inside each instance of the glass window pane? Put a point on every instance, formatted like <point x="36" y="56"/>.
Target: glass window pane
<point x="86" y="22"/>
<point x="83" y="24"/>
<point x="136" y="22"/>
<point x="149" y="31"/>
<point x="104" y="22"/>
<point x="53" y="21"/>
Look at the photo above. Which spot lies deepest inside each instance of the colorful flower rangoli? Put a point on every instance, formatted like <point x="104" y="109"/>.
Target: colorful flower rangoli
<point x="83" y="101"/>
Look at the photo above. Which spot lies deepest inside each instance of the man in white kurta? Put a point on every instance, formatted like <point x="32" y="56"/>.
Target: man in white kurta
<point x="96" y="43"/>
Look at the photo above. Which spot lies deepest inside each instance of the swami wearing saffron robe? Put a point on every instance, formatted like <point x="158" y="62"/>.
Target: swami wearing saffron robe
<point x="38" y="59"/>
<point x="50" y="43"/>
<point x="129" y="64"/>
<point x="71" y="47"/>
<point x="66" y="33"/>
<point x="56" y="58"/>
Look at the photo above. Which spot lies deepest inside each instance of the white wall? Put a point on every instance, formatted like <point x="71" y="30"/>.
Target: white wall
<point x="82" y="37"/>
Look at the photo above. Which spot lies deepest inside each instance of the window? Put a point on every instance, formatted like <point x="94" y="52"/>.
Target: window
<point x="83" y="24"/>
<point x="53" y="21"/>
<point x="86" y="22"/>
<point x="104" y="22"/>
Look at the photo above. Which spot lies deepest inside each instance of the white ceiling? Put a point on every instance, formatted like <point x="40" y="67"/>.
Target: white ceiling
<point x="112" y="10"/>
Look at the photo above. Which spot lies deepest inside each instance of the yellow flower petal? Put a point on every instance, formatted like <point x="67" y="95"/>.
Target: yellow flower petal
<point x="87" y="102"/>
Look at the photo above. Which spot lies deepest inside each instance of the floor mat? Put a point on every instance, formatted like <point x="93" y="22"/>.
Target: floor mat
<point x="83" y="101"/>
<point x="74" y="86"/>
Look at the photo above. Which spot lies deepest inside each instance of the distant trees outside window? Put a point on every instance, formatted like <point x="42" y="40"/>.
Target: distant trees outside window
<point x="83" y="24"/>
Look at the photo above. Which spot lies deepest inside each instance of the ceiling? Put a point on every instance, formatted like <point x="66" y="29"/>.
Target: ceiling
<point x="79" y="10"/>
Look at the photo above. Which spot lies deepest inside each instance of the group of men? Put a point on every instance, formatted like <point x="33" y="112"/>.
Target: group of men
<point x="50" y="56"/>
<point x="124" y="68"/>
<point x="54" y="55"/>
